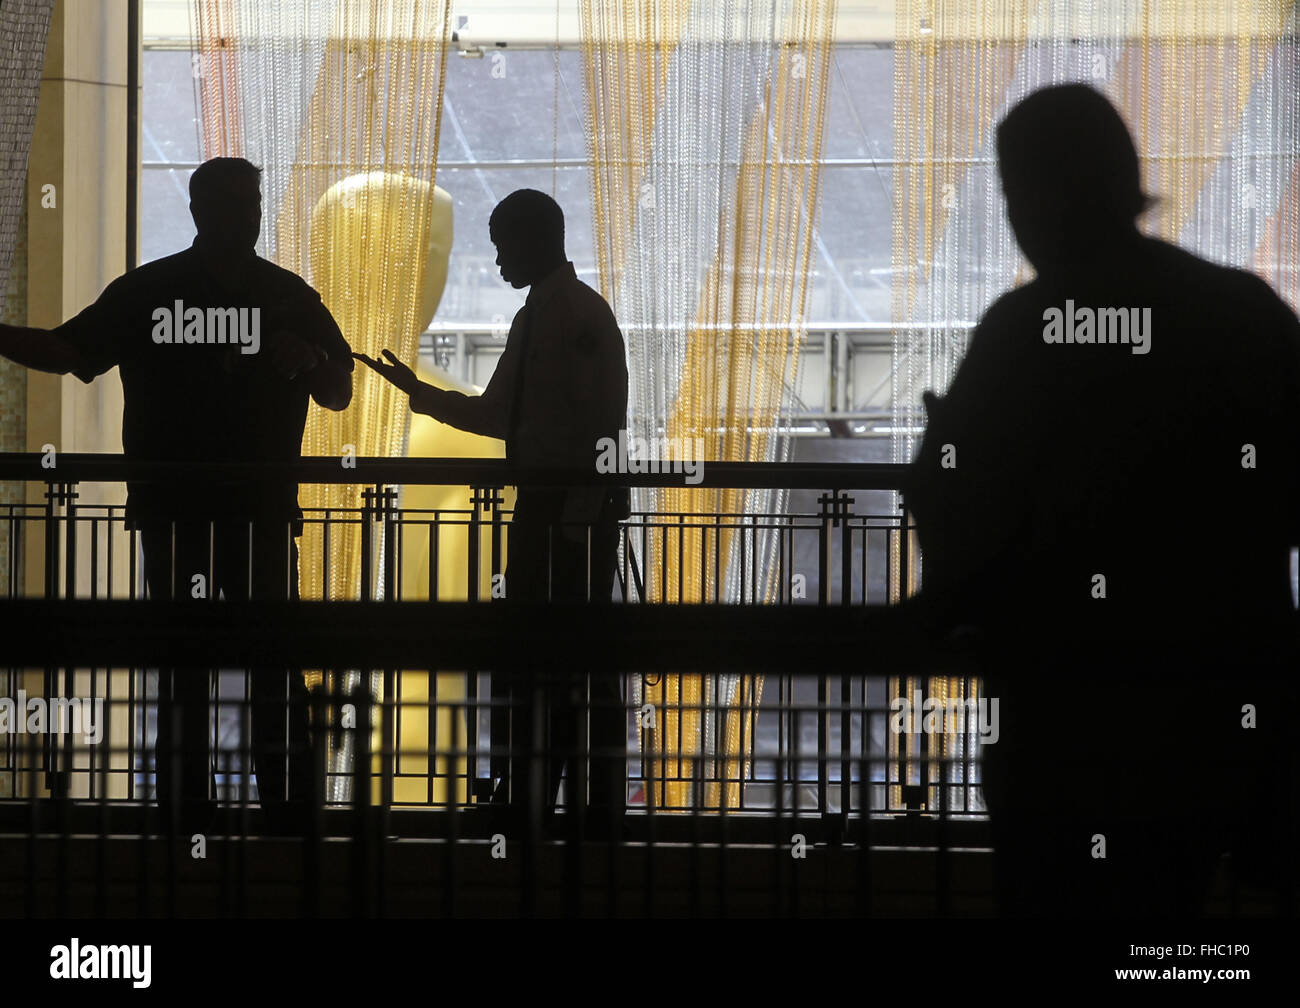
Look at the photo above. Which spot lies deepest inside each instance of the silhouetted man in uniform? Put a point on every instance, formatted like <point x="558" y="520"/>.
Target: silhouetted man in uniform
<point x="558" y="389"/>
<point x="219" y="351"/>
<point x="1108" y="489"/>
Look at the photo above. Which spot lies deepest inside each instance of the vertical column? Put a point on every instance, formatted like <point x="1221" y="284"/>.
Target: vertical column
<point x="76" y="231"/>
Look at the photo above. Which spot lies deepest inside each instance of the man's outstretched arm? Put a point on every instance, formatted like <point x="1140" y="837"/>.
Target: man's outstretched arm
<point x="39" y="349"/>
<point x="481" y="414"/>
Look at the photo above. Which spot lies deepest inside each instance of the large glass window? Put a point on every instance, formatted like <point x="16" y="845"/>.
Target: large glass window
<point x="517" y="119"/>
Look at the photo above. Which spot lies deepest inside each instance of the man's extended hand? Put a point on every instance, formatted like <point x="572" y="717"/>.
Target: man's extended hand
<point x="39" y="349"/>
<point x="395" y="371"/>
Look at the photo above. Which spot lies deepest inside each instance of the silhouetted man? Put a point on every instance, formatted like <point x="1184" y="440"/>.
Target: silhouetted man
<point x="1108" y="487"/>
<point x="558" y="389"/>
<point x="219" y="351"/>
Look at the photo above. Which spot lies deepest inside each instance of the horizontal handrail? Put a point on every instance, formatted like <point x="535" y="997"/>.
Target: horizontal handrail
<point x="71" y="467"/>
<point x="334" y="634"/>
<point x="104" y="467"/>
<point x="870" y="639"/>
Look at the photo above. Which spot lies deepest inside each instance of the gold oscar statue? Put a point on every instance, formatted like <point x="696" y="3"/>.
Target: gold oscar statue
<point x="388" y="300"/>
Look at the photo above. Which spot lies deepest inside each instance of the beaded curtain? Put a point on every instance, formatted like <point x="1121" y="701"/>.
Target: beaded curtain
<point x="1210" y="90"/>
<point x="705" y="128"/>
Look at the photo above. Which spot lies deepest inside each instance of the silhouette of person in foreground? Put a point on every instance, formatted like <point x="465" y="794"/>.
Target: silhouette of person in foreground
<point x="1116" y="514"/>
<point x="219" y="352"/>
<point x="558" y="389"/>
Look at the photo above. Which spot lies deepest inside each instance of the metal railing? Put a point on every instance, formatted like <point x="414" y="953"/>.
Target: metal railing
<point x="800" y="797"/>
<point x="787" y="733"/>
<point x="748" y="721"/>
<point x="758" y="721"/>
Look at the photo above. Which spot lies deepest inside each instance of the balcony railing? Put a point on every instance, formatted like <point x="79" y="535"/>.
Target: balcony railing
<point x="759" y="709"/>
<point x="57" y="540"/>
<point x="753" y="715"/>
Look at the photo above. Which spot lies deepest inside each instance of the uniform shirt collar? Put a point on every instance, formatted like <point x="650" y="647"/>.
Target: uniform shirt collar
<point x="541" y="291"/>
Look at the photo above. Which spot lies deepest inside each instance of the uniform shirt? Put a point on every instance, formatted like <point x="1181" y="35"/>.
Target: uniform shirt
<point x="558" y="388"/>
<point x="205" y="401"/>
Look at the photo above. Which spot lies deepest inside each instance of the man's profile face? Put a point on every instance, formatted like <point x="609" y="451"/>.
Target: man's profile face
<point x="513" y="258"/>
<point x="231" y="217"/>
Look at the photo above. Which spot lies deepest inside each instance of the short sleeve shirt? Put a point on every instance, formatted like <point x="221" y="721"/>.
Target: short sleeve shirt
<point x="197" y="380"/>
